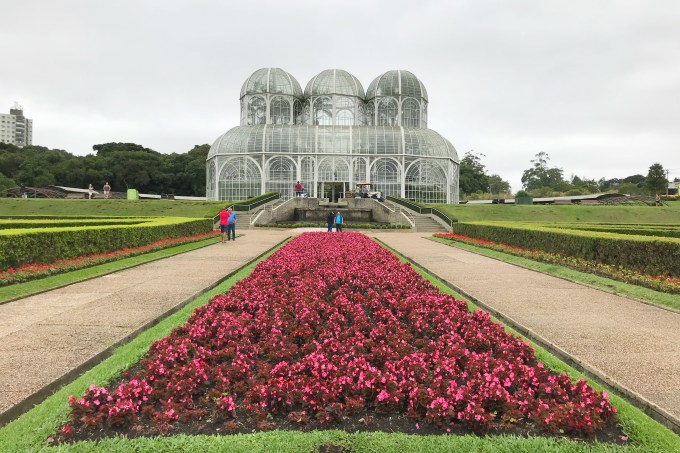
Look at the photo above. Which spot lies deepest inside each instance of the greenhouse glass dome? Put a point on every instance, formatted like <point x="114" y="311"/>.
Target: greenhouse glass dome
<point x="331" y="137"/>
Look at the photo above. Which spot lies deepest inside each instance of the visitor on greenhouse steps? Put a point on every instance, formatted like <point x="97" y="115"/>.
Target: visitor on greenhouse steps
<point x="224" y="220"/>
<point x="231" y="224"/>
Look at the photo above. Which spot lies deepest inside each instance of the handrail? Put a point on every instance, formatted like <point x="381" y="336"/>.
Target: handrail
<point x="421" y="210"/>
<point x="249" y="206"/>
<point x="260" y="202"/>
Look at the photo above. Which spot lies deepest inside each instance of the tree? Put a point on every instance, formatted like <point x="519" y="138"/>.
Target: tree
<point x="656" y="180"/>
<point x="497" y="185"/>
<point x="472" y="176"/>
<point x="542" y="176"/>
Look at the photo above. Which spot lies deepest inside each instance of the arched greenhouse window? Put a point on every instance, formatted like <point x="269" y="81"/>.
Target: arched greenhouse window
<point x="257" y="111"/>
<point x="333" y="169"/>
<point x="387" y="112"/>
<point x="386" y="177"/>
<point x="239" y="179"/>
<point x="281" y="176"/>
<point x="410" y="113"/>
<point x="370" y="113"/>
<point x="210" y="182"/>
<point x="359" y="170"/>
<point x="297" y="112"/>
<point x="280" y="110"/>
<point x="323" y="112"/>
<point x="426" y="182"/>
<point x="344" y="112"/>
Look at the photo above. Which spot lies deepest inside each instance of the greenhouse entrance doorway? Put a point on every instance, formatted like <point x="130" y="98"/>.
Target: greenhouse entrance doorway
<point x="333" y="190"/>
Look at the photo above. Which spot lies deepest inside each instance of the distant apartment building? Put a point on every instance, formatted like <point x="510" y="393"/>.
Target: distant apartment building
<point x="15" y="128"/>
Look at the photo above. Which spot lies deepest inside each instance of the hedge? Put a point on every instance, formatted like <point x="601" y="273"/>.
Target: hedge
<point x="25" y="246"/>
<point x="648" y="254"/>
<point x="59" y="223"/>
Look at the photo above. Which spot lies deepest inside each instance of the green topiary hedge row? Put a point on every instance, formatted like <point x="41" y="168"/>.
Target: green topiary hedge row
<point x="362" y="226"/>
<point x="648" y="254"/>
<point x="34" y="245"/>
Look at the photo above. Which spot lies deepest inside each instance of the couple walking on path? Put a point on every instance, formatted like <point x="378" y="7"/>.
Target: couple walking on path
<point x="228" y="224"/>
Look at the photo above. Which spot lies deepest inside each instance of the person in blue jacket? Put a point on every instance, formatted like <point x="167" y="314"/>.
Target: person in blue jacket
<point x="231" y="224"/>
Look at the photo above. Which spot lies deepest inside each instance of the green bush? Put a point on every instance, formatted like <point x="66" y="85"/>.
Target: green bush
<point x="648" y="254"/>
<point x="23" y="246"/>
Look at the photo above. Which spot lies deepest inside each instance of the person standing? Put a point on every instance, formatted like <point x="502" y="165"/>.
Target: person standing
<point x="338" y="222"/>
<point x="298" y="189"/>
<point x="330" y="220"/>
<point x="224" y="220"/>
<point x="107" y="189"/>
<point x="90" y="191"/>
<point x="231" y="224"/>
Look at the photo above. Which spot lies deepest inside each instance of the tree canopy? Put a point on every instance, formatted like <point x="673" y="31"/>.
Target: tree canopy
<point x="122" y="165"/>
<point x="541" y="176"/>
<point x="656" y="179"/>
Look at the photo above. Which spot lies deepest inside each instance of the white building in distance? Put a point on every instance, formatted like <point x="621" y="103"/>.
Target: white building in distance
<point x="15" y="128"/>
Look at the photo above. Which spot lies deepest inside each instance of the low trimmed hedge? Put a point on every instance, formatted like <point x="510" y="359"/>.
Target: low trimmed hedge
<point x="648" y="254"/>
<point x="18" y="247"/>
<point x="62" y="223"/>
<point x="362" y="226"/>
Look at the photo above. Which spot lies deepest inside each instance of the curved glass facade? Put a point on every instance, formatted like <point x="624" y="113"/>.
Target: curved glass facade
<point x="332" y="137"/>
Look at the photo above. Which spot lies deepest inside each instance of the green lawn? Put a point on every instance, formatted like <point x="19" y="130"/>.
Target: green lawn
<point x="667" y="214"/>
<point x="67" y="207"/>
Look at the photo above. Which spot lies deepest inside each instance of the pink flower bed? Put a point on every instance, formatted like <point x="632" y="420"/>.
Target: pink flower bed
<point x="331" y="326"/>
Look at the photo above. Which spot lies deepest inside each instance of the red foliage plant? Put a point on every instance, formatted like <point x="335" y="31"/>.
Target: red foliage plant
<point x="333" y="325"/>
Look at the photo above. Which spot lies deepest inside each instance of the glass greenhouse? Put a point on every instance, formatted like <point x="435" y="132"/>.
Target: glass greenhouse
<point x="332" y="137"/>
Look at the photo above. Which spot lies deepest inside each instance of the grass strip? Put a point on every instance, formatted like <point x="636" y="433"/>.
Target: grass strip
<point x="640" y="293"/>
<point x="643" y="431"/>
<point x="19" y="290"/>
<point x="30" y="431"/>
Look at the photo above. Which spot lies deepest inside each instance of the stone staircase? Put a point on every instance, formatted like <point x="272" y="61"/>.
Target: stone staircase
<point x="424" y="223"/>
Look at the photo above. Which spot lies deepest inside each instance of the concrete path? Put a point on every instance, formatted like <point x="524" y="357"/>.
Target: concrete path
<point x="44" y="337"/>
<point x="635" y="345"/>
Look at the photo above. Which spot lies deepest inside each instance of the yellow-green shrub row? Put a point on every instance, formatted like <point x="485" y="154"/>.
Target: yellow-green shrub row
<point x="60" y="223"/>
<point x="649" y="254"/>
<point x="37" y="245"/>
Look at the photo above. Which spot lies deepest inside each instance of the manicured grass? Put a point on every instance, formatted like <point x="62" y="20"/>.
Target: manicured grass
<point x="11" y="292"/>
<point x="667" y="214"/>
<point x="30" y="431"/>
<point x="605" y="284"/>
<point x="67" y="207"/>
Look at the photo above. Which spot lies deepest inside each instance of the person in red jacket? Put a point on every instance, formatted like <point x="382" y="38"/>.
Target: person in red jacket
<point x="224" y="221"/>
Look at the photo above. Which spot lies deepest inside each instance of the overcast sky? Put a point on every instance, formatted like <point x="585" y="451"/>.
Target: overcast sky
<point x="595" y="84"/>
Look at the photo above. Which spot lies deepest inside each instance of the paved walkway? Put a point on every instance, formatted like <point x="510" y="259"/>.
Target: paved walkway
<point x="631" y="343"/>
<point x="45" y="337"/>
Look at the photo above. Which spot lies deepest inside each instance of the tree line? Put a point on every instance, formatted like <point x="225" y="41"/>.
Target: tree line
<point x="122" y="165"/>
<point x="542" y="180"/>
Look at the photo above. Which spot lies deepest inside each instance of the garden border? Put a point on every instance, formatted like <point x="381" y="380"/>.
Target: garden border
<point x="105" y="273"/>
<point x="40" y="395"/>
<point x="452" y="243"/>
<point x="652" y="410"/>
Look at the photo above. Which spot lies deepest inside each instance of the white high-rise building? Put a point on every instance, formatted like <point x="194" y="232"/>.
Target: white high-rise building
<point x="15" y="128"/>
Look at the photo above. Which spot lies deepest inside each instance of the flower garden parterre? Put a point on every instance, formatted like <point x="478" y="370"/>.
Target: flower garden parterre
<point x="33" y="271"/>
<point x="333" y="326"/>
<point x="662" y="283"/>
